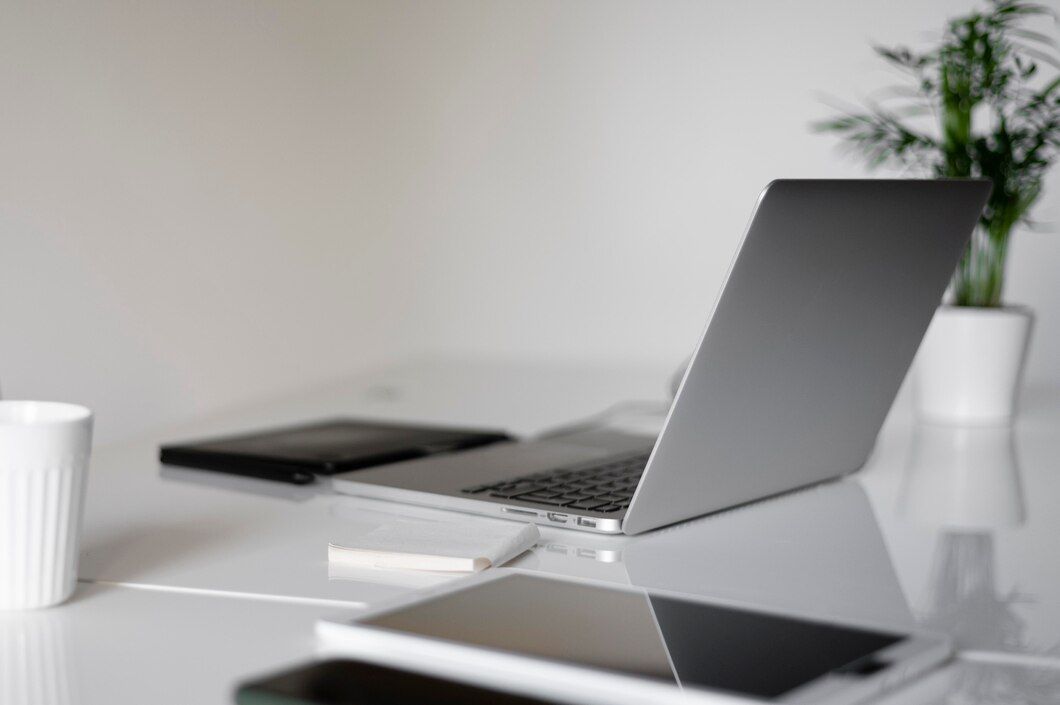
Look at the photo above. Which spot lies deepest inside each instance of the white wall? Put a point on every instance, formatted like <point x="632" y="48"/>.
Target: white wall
<point x="203" y="202"/>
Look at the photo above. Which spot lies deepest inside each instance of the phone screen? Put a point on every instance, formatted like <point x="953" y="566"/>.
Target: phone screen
<point x="679" y="641"/>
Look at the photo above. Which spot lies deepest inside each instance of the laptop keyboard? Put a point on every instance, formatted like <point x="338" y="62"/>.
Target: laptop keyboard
<point x="606" y="486"/>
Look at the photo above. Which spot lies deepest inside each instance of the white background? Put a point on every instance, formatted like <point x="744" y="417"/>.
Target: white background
<point x="203" y="203"/>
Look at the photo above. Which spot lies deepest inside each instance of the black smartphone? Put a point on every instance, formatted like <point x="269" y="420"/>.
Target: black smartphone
<point x="297" y="454"/>
<point x="347" y="682"/>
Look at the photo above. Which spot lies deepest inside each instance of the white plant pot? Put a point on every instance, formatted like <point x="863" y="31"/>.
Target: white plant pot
<point x="970" y="366"/>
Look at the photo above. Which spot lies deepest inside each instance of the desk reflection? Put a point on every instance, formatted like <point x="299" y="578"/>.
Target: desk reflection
<point x="37" y="663"/>
<point x="242" y="484"/>
<point x="965" y="483"/>
<point x="963" y="600"/>
<point x="962" y="478"/>
<point x="817" y="552"/>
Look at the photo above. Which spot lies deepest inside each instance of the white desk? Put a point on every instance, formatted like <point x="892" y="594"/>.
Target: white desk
<point x="194" y="580"/>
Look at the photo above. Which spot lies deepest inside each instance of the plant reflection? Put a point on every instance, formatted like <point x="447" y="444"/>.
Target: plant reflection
<point x="965" y="483"/>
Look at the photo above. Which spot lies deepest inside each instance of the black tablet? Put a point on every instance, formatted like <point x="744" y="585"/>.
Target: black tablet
<point x="299" y="453"/>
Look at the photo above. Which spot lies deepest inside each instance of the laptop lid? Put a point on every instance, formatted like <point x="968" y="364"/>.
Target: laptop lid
<point x="821" y="314"/>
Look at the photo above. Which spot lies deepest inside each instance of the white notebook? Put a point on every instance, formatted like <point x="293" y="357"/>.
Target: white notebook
<point x="461" y="546"/>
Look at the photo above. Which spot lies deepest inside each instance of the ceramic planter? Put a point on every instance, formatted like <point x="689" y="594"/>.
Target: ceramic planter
<point x="970" y="366"/>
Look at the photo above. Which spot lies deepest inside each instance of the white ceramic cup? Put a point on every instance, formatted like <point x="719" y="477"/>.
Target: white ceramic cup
<point x="44" y="449"/>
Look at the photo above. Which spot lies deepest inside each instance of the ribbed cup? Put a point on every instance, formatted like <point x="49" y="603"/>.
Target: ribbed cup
<point x="44" y="449"/>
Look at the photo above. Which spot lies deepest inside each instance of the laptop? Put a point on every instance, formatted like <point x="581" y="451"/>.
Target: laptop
<point x="821" y="314"/>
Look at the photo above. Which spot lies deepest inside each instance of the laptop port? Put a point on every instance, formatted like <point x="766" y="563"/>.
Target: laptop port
<point x="557" y="517"/>
<point x="523" y="512"/>
<point x="591" y="523"/>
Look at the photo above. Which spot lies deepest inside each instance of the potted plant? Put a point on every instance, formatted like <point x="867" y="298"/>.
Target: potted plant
<point x="984" y="101"/>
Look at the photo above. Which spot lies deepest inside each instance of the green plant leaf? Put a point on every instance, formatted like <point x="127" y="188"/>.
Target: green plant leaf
<point x="983" y="60"/>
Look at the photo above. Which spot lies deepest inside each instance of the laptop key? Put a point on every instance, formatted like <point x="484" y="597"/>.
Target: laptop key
<point x="603" y="483"/>
<point x="515" y="491"/>
<point x="548" y="492"/>
<point x="587" y="504"/>
<point x="550" y="501"/>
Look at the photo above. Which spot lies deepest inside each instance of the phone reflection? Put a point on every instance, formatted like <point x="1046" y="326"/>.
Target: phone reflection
<point x="37" y="663"/>
<point x="242" y="484"/>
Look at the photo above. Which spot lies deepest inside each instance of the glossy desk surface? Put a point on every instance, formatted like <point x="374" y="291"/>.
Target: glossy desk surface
<point x="192" y="581"/>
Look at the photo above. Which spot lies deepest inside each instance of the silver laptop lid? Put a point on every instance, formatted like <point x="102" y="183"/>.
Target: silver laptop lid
<point x="820" y="316"/>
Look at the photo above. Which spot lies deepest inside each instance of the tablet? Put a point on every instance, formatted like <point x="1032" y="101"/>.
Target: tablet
<point x="581" y="641"/>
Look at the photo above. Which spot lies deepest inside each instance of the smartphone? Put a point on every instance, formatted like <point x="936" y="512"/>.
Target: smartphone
<point x="347" y="682"/>
<point x="297" y="454"/>
<point x="581" y="641"/>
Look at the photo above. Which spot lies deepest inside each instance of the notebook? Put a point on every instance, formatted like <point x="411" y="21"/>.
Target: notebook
<point x="466" y="546"/>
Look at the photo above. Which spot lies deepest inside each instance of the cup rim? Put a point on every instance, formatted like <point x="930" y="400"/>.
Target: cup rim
<point x="32" y="413"/>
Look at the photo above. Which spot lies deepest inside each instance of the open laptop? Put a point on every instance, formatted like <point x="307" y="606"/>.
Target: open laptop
<point x="821" y="314"/>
